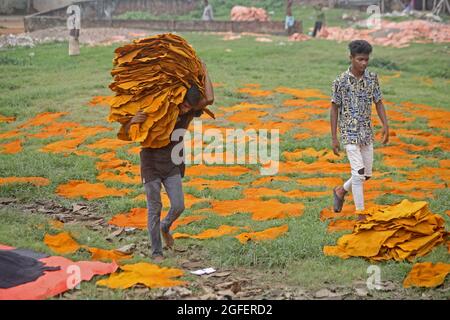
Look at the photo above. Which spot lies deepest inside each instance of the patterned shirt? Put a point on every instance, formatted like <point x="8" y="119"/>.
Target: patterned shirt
<point x="354" y="99"/>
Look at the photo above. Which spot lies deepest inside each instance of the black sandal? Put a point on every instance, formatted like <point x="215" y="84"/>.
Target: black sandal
<point x="338" y="202"/>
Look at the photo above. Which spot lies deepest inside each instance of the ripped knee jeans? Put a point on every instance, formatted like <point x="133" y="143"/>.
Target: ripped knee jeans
<point x="361" y="160"/>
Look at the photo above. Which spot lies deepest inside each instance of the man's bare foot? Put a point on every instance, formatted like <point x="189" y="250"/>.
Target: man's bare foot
<point x="168" y="239"/>
<point x="157" y="258"/>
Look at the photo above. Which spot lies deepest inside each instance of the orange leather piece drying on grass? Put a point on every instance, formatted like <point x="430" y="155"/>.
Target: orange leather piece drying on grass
<point x="209" y="233"/>
<point x="320" y="181"/>
<point x="201" y="184"/>
<point x="302" y="93"/>
<point x="436" y="117"/>
<point x="408" y="185"/>
<point x="185" y="220"/>
<point x="386" y="78"/>
<point x="55" y="129"/>
<point x="251" y="118"/>
<point x="110" y="161"/>
<point x="10" y="134"/>
<point x="63" y="146"/>
<point x="76" y="137"/>
<point x="403" y="231"/>
<point x="43" y="119"/>
<point x="324" y="104"/>
<point x="147" y="274"/>
<point x="7" y="119"/>
<point x="57" y="282"/>
<point x="341" y="225"/>
<point x="282" y="126"/>
<point x="86" y="132"/>
<point x="393" y="151"/>
<point x="328" y="213"/>
<point x="245" y="106"/>
<point x="190" y="200"/>
<point x="134" y="150"/>
<point x="318" y="166"/>
<point x="56" y="224"/>
<point x="303" y="136"/>
<point x="268" y="234"/>
<point x="255" y="92"/>
<point x="11" y="147"/>
<point x="318" y="127"/>
<point x="108" y="144"/>
<point x="99" y="100"/>
<point x="37" y="181"/>
<point x="152" y="75"/>
<point x="399" y="162"/>
<point x="260" y="210"/>
<point x="269" y="179"/>
<point x="164" y="198"/>
<point x="112" y="164"/>
<point x="300" y="114"/>
<point x="258" y="193"/>
<point x="427" y="274"/>
<point x="138" y="218"/>
<point x="61" y="243"/>
<point x="85" y="153"/>
<point x="429" y="172"/>
<point x="323" y="154"/>
<point x="444" y="163"/>
<point x="203" y="170"/>
<point x="295" y="103"/>
<point x="89" y="191"/>
<point x="111" y="255"/>
<point x="121" y="177"/>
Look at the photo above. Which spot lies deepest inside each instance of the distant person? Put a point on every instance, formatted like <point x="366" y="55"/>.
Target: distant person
<point x="208" y="12"/>
<point x="409" y="7"/>
<point x="290" y="21"/>
<point x="73" y="25"/>
<point x="320" y="19"/>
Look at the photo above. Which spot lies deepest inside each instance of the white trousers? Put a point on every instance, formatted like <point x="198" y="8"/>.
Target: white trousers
<point x="361" y="160"/>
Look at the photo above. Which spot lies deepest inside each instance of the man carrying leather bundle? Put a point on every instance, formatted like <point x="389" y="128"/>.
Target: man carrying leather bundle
<point x="173" y="89"/>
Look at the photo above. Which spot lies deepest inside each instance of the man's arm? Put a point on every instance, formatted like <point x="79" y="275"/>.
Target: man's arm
<point x="140" y="117"/>
<point x="208" y="99"/>
<point x="333" y="121"/>
<point x="383" y="118"/>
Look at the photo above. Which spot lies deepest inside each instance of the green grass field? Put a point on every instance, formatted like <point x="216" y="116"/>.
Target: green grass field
<point x="45" y="78"/>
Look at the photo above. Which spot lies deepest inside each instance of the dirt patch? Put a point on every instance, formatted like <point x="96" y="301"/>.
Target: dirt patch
<point x="88" y="36"/>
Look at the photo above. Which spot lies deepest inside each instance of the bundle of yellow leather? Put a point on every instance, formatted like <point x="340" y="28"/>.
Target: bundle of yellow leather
<point x="153" y="75"/>
<point x="403" y="231"/>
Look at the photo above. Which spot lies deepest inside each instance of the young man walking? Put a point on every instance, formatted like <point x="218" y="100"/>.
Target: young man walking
<point x="353" y="93"/>
<point x="158" y="167"/>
